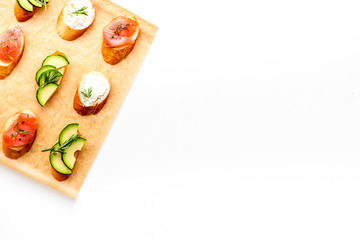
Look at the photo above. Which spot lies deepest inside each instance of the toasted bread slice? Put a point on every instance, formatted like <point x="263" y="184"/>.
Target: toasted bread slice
<point x="113" y="48"/>
<point x="96" y="85"/>
<point x="22" y="15"/>
<point x="16" y="152"/>
<point x="71" y="26"/>
<point x="115" y="55"/>
<point x="7" y="68"/>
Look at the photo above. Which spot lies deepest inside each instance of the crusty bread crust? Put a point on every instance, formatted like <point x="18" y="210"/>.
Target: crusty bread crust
<point x="22" y="15"/>
<point x="115" y="55"/>
<point x="83" y="110"/>
<point x="58" y="176"/>
<point x="67" y="32"/>
<point x="6" y="69"/>
<point x="16" y="152"/>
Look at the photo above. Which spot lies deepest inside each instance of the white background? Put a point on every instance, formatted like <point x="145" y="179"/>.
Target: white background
<point x="243" y="123"/>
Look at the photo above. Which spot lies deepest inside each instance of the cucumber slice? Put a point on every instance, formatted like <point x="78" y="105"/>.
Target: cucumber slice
<point x="41" y="70"/>
<point x="56" y="60"/>
<point x="57" y="163"/>
<point x="26" y="5"/>
<point x="67" y="132"/>
<point x="68" y="156"/>
<point x="50" y="76"/>
<point x="44" y="93"/>
<point x="35" y="3"/>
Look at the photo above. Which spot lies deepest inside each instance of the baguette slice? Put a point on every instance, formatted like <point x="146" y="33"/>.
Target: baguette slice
<point x="7" y="68"/>
<point x="18" y="151"/>
<point x="119" y="38"/>
<point x="100" y="91"/>
<point x="66" y="29"/>
<point x="21" y="14"/>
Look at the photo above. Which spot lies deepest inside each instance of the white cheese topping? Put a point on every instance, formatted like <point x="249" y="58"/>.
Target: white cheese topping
<point x="97" y="85"/>
<point x="78" y="20"/>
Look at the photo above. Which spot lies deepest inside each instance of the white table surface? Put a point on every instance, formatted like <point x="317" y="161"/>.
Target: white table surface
<point x="243" y="123"/>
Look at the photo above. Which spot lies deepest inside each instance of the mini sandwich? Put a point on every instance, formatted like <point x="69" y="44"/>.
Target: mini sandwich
<point x="64" y="154"/>
<point x="75" y="18"/>
<point x="91" y="94"/>
<point x="25" y="9"/>
<point x="19" y="134"/>
<point x="49" y="76"/>
<point x="12" y="43"/>
<point x="119" y="38"/>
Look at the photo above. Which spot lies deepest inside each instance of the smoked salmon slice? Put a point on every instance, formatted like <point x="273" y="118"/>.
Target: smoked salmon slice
<point x="10" y="44"/>
<point x="120" y="32"/>
<point x="21" y="131"/>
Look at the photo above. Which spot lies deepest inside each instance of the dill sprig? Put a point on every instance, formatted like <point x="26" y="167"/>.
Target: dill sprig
<point x="87" y="93"/>
<point x="64" y="146"/>
<point x="81" y="11"/>
<point x="119" y="29"/>
<point x="51" y="76"/>
<point x="20" y="131"/>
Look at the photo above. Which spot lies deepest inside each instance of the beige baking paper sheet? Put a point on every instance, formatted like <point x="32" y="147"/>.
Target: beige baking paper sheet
<point x="17" y="91"/>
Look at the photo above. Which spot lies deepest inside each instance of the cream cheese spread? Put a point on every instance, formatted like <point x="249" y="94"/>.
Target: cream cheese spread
<point x="79" y="14"/>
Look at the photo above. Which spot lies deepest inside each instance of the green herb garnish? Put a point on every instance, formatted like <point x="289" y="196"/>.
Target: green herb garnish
<point x="119" y="29"/>
<point x="50" y="76"/>
<point x="87" y="93"/>
<point x="81" y="11"/>
<point x="19" y="131"/>
<point x="8" y="56"/>
<point x="64" y="146"/>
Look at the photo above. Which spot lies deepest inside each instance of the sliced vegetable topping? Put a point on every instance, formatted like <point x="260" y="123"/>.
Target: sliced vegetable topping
<point x="41" y="70"/>
<point x="49" y="76"/>
<point x="44" y="93"/>
<point x="26" y="5"/>
<point x="56" y="60"/>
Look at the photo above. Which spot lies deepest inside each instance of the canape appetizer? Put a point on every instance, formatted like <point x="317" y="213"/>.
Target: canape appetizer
<point x="91" y="94"/>
<point x="12" y="43"/>
<point x="64" y="153"/>
<point x="25" y="9"/>
<point x="49" y="76"/>
<point x="75" y="18"/>
<point x="19" y="134"/>
<point x="119" y="38"/>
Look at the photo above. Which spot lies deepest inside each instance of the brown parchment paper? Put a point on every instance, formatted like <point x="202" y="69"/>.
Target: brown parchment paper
<point x="18" y="91"/>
